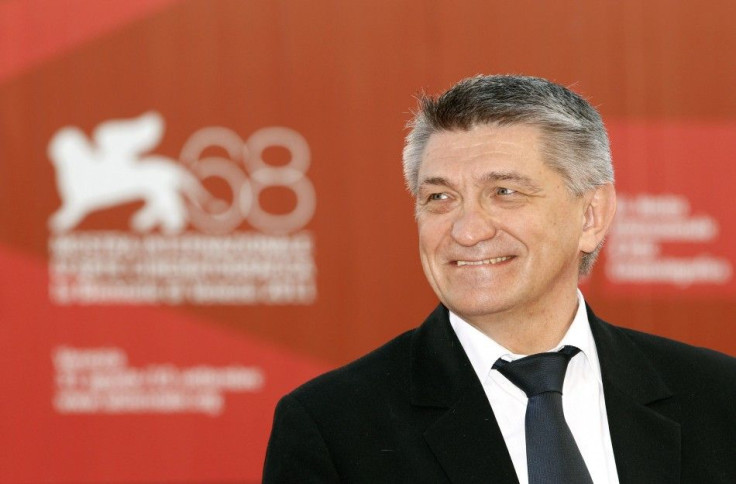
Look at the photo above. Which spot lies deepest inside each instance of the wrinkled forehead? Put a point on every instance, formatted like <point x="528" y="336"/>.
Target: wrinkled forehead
<point x="481" y="143"/>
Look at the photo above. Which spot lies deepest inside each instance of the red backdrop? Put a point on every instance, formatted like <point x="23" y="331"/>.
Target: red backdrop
<point x="149" y="328"/>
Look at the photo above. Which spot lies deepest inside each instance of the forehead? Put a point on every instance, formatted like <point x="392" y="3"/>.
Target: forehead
<point x="515" y="147"/>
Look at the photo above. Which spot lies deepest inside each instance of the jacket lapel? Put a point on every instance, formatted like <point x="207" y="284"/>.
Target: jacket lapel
<point x="465" y="438"/>
<point x="642" y="413"/>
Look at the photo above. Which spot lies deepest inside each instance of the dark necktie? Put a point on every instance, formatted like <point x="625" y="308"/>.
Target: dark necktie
<point x="552" y="455"/>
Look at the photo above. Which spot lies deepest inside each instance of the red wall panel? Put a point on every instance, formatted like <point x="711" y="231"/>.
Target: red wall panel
<point x="179" y="384"/>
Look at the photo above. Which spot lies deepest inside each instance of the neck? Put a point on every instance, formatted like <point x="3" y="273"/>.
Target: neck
<point x="532" y="329"/>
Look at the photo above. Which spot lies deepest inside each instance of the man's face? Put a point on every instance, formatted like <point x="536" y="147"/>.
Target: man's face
<point x="499" y="232"/>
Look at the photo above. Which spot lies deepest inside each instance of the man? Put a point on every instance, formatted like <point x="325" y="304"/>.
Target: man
<point x="514" y="194"/>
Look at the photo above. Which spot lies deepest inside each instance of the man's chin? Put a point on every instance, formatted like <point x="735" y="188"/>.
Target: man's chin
<point x="470" y="310"/>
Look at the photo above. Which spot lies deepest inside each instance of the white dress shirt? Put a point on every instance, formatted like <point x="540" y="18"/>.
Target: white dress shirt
<point x="582" y="395"/>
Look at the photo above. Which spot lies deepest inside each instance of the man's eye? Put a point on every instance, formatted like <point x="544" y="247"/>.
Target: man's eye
<point x="437" y="196"/>
<point x="505" y="191"/>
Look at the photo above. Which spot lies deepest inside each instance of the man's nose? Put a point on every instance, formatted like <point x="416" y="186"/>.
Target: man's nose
<point x="472" y="225"/>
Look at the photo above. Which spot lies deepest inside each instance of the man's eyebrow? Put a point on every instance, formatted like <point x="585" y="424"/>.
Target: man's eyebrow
<point x="435" y="180"/>
<point x="493" y="176"/>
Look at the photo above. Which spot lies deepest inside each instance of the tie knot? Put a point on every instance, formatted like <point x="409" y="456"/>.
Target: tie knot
<point x="535" y="374"/>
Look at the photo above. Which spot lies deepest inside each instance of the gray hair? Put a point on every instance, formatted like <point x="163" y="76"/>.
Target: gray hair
<point x="574" y="139"/>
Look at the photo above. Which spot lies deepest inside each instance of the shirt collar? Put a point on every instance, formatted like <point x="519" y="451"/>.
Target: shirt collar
<point x="483" y="351"/>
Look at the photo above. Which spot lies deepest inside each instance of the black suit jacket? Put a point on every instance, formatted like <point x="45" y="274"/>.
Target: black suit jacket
<point x="414" y="411"/>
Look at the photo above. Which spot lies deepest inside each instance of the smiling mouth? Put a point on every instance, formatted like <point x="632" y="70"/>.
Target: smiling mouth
<point x="496" y="260"/>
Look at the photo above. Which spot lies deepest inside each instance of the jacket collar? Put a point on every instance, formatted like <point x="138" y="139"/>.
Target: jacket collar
<point x="465" y="437"/>
<point x="642" y="411"/>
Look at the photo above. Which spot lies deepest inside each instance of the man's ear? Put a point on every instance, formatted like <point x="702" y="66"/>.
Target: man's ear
<point x="597" y="217"/>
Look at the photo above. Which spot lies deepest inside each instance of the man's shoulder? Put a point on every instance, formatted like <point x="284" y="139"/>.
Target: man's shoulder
<point x="665" y="347"/>
<point x="681" y="364"/>
<point x="386" y="368"/>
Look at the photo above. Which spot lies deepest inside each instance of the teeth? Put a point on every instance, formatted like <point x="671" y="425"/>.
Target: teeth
<point x="461" y="263"/>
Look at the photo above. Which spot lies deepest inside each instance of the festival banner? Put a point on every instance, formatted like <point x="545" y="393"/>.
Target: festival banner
<point x="203" y="204"/>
